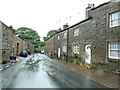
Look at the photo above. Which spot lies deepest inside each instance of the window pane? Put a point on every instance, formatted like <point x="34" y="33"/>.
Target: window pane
<point x="114" y="51"/>
<point x="115" y="19"/>
<point x="115" y="16"/>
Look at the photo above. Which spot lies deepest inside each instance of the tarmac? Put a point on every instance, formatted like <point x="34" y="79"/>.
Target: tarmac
<point x="111" y="80"/>
<point x="106" y="78"/>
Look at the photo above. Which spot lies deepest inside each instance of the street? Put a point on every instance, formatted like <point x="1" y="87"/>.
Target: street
<point x="37" y="71"/>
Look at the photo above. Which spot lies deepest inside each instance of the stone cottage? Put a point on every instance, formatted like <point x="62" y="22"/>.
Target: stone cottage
<point x="94" y="40"/>
<point x="10" y="44"/>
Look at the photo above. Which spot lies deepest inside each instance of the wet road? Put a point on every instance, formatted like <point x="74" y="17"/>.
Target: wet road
<point x="37" y="71"/>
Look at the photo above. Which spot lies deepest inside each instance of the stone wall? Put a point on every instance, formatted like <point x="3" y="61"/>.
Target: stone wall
<point x="0" y="42"/>
<point x="60" y="43"/>
<point x="7" y="39"/>
<point x="11" y="45"/>
<point x="17" y="46"/>
<point x="94" y="31"/>
<point x="49" y="46"/>
<point x="31" y="47"/>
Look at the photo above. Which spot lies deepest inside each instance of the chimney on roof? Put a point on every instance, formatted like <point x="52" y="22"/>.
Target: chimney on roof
<point x="59" y="29"/>
<point x="11" y="27"/>
<point x="88" y="9"/>
<point x="65" y="26"/>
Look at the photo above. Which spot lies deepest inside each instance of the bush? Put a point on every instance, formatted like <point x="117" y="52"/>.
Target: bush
<point x="74" y="55"/>
<point x="5" y="61"/>
<point x="71" y="60"/>
<point x="78" y="62"/>
<point x="81" y="64"/>
<point x="51" y="56"/>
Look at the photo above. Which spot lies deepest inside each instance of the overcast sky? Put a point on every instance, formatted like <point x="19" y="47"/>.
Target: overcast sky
<point x="43" y="15"/>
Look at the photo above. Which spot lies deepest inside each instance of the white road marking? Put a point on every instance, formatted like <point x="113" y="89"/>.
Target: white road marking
<point x="7" y="65"/>
<point x="1" y="69"/>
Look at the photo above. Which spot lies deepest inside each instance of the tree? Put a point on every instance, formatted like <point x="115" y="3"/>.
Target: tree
<point x="29" y="35"/>
<point x="49" y="34"/>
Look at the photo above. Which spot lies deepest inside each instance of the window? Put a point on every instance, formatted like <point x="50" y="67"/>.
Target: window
<point x="114" y="50"/>
<point x="64" y="49"/>
<point x="65" y="35"/>
<point x="115" y="19"/>
<point x="3" y="34"/>
<point x="58" y="37"/>
<point x="3" y="52"/>
<point x="76" y="49"/>
<point x="76" y="32"/>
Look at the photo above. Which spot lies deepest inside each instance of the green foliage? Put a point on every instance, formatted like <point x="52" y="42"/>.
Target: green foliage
<point x="45" y="38"/>
<point x="74" y="55"/>
<point x="5" y="61"/>
<point x="29" y="35"/>
<point x="78" y="62"/>
<point x="42" y="44"/>
<point x="49" y="34"/>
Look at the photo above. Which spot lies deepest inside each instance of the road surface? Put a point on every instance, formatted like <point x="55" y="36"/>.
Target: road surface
<point x="37" y="71"/>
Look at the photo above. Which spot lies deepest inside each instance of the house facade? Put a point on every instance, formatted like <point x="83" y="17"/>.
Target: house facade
<point x="30" y="47"/>
<point x="49" y="46"/>
<point x="94" y="40"/>
<point x="10" y="44"/>
<point x="6" y="41"/>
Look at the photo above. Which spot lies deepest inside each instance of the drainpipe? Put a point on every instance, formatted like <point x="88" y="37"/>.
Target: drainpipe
<point x="54" y="47"/>
<point x="67" y="44"/>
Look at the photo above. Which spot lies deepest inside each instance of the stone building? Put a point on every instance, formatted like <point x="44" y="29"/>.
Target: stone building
<point x="30" y="47"/>
<point x="94" y="40"/>
<point x="61" y="44"/>
<point x="0" y="42"/>
<point x="10" y="44"/>
<point x="49" y="46"/>
<point x="17" y="46"/>
<point x="7" y="39"/>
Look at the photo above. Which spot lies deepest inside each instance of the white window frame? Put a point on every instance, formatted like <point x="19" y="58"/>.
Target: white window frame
<point x="65" y="35"/>
<point x="114" y="48"/>
<point x="76" y="49"/>
<point x="114" y="19"/>
<point x="76" y="32"/>
<point x="64" y="48"/>
<point x="58" y="37"/>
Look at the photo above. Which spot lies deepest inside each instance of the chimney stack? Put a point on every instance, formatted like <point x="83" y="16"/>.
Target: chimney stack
<point x="90" y="6"/>
<point x="65" y="26"/>
<point x="59" y="29"/>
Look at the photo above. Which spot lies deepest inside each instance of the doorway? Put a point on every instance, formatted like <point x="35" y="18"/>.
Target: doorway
<point x="17" y="50"/>
<point x="88" y="54"/>
<point x="58" y="52"/>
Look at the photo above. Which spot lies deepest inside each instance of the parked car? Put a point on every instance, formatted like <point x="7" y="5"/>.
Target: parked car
<point x="42" y="52"/>
<point x="29" y="52"/>
<point x="24" y="54"/>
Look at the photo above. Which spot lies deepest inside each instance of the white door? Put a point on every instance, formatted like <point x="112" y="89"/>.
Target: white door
<point x="88" y="54"/>
<point x="58" y="52"/>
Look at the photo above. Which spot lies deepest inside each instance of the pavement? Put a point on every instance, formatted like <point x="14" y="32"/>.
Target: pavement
<point x="106" y="78"/>
<point x="8" y="64"/>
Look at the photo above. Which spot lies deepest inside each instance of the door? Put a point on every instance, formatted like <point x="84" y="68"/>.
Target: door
<point x="88" y="54"/>
<point x="58" y="52"/>
<point x="17" y="50"/>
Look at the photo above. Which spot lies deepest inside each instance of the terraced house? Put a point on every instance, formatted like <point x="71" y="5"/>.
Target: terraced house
<point x="10" y="44"/>
<point x="94" y="40"/>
